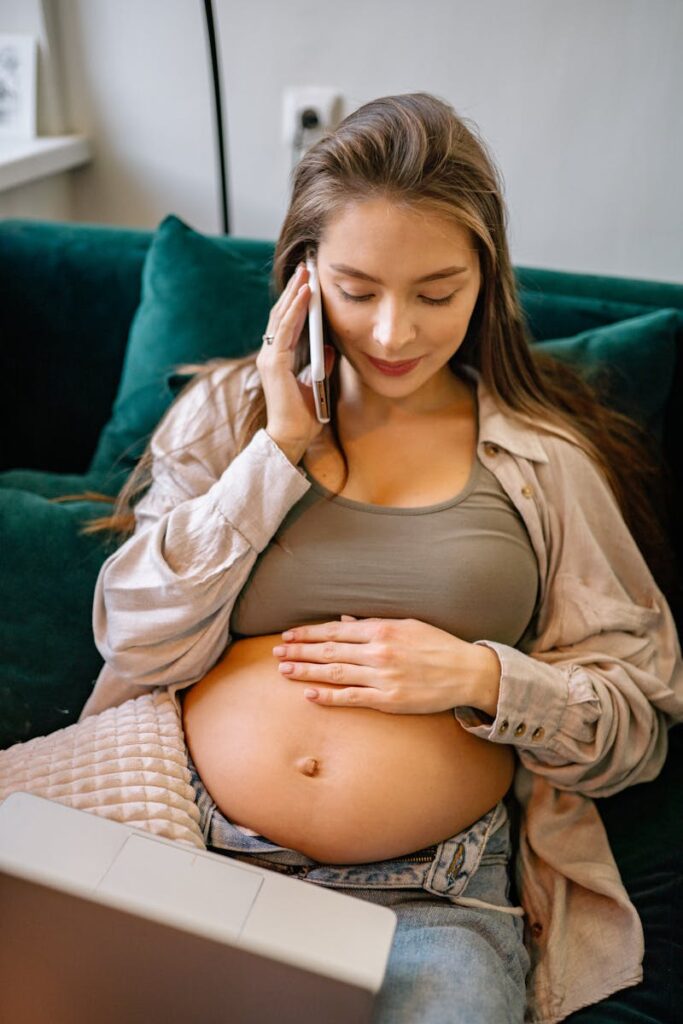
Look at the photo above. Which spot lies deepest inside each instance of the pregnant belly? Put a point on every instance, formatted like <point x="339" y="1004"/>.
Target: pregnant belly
<point x="341" y="785"/>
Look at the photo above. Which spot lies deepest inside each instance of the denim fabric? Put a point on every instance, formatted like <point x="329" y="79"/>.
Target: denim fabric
<point x="455" y="957"/>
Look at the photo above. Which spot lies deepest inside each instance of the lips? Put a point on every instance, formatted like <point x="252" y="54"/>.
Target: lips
<point x="395" y="366"/>
<point x="394" y="369"/>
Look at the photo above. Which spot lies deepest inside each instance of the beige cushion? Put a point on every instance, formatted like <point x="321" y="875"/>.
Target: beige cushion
<point x="128" y="763"/>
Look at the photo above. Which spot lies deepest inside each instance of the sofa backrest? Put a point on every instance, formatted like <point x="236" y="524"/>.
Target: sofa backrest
<point x="70" y="292"/>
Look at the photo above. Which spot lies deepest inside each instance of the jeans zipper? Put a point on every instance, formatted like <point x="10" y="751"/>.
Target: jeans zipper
<point x="419" y="860"/>
<point x="303" y="871"/>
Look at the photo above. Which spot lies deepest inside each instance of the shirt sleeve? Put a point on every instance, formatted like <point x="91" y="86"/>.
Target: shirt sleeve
<point x="590" y="704"/>
<point x="162" y="602"/>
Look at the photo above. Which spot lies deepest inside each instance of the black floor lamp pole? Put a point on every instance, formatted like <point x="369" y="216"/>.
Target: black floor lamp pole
<point x="208" y="12"/>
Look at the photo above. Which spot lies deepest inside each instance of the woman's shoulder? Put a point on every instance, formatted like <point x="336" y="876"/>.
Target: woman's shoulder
<point x="532" y="437"/>
<point x="229" y="378"/>
<point x="209" y="402"/>
<point x="576" y="485"/>
<point x="560" y="456"/>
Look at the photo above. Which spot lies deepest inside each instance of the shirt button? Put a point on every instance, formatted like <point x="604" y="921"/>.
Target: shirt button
<point x="491" y="449"/>
<point x="503" y="727"/>
<point x="527" y="490"/>
<point x="536" y="929"/>
<point x="521" y="729"/>
<point x="538" y="734"/>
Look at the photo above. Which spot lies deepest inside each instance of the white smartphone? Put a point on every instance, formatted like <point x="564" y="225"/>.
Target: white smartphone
<point x="319" y="380"/>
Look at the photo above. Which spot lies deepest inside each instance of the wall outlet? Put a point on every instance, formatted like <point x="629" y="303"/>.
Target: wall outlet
<point x="324" y="101"/>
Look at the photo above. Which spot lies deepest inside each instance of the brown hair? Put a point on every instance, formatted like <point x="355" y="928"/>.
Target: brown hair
<point x="414" y="150"/>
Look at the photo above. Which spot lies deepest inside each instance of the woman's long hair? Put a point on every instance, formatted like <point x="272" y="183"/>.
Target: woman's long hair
<point x="415" y="151"/>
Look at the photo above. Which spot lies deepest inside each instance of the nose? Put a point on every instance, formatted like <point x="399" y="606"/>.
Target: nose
<point x="393" y="329"/>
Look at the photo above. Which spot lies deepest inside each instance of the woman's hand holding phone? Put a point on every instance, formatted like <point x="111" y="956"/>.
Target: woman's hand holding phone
<point x="292" y="421"/>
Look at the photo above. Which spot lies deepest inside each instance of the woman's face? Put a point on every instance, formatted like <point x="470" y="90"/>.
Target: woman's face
<point x="396" y="317"/>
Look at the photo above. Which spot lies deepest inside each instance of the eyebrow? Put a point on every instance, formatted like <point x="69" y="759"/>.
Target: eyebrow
<point x="436" y="276"/>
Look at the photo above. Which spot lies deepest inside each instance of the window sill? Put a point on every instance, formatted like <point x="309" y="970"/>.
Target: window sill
<point x="24" y="160"/>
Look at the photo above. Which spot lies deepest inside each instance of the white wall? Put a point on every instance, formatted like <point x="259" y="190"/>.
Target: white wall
<point x="138" y="84"/>
<point x="579" y="101"/>
<point x="46" y="198"/>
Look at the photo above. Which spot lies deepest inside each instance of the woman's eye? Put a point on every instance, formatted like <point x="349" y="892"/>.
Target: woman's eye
<point x="364" y="298"/>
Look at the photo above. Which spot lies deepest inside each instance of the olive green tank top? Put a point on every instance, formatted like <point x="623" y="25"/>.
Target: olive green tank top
<point x="465" y="565"/>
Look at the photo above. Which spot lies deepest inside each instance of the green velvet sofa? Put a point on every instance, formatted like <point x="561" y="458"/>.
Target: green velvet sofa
<point x="94" y="320"/>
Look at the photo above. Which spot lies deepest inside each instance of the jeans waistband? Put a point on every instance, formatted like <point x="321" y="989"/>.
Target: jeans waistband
<point x="443" y="869"/>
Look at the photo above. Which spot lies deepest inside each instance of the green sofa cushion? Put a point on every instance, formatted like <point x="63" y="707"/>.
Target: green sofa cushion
<point x="632" y="362"/>
<point x="199" y="301"/>
<point x="49" y="658"/>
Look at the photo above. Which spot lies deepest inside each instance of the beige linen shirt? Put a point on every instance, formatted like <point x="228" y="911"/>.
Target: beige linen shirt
<point x="586" y="698"/>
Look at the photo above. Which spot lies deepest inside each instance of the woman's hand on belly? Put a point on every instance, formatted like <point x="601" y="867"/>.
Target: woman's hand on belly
<point x="399" y="666"/>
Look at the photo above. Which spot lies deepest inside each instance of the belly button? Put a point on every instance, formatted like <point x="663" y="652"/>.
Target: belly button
<point x="307" y="765"/>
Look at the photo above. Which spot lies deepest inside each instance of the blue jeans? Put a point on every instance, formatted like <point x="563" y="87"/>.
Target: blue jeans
<point x="455" y="958"/>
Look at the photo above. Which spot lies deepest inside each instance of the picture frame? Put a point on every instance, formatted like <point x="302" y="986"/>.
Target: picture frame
<point x="18" y="86"/>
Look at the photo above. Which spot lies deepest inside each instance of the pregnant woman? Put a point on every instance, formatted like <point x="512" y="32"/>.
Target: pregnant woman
<point x="371" y="627"/>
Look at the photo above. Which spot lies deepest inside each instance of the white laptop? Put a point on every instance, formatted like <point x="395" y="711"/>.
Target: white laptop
<point x="106" y="922"/>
